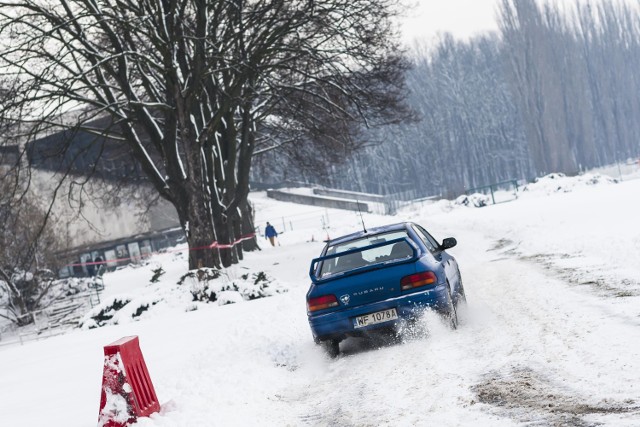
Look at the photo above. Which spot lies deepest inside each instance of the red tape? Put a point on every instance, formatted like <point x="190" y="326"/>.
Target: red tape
<point x="214" y="245"/>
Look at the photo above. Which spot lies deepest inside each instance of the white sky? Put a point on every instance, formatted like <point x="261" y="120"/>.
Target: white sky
<point x="462" y="18"/>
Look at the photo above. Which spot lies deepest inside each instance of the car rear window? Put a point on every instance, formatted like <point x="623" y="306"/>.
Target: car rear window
<point x="391" y="252"/>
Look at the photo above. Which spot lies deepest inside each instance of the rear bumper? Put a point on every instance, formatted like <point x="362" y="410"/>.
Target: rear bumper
<point x="339" y="324"/>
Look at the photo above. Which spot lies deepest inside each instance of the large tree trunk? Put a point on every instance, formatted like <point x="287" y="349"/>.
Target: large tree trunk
<point x="236" y="225"/>
<point x="228" y="255"/>
<point x="200" y="252"/>
<point x="248" y="226"/>
<point x="197" y="223"/>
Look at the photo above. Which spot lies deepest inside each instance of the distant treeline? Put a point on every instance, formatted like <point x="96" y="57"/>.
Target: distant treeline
<point x="557" y="90"/>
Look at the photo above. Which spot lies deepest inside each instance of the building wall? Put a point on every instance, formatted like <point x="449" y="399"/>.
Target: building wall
<point x="86" y="219"/>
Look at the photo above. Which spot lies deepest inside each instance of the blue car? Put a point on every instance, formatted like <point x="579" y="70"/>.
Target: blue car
<point x="376" y="278"/>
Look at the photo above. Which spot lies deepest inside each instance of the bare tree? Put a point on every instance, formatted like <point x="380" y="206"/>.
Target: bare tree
<point x="28" y="243"/>
<point x="554" y="91"/>
<point x="469" y="133"/>
<point x="194" y="88"/>
<point x="573" y="74"/>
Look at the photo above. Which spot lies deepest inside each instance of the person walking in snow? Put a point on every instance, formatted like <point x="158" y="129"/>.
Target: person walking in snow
<point x="271" y="234"/>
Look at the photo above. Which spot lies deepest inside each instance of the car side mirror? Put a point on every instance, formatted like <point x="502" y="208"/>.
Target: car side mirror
<point x="449" y="242"/>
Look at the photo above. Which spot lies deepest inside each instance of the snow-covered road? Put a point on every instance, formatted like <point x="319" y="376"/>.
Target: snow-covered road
<point x="551" y="335"/>
<point x="531" y="349"/>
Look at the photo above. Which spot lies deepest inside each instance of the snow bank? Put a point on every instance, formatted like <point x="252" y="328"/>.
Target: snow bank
<point x="558" y="182"/>
<point x="550" y="337"/>
<point x="195" y="288"/>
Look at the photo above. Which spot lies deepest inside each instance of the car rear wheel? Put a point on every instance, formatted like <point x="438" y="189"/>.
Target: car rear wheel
<point x="452" y="314"/>
<point x="461" y="297"/>
<point x="331" y="347"/>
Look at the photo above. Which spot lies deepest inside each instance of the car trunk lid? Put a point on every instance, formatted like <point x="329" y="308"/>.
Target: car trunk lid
<point x="364" y="275"/>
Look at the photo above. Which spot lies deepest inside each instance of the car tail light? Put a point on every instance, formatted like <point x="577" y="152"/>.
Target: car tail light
<point x="417" y="280"/>
<point x="320" y="303"/>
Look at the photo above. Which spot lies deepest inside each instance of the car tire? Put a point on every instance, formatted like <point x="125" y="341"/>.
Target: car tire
<point x="331" y="347"/>
<point x="461" y="297"/>
<point x="452" y="313"/>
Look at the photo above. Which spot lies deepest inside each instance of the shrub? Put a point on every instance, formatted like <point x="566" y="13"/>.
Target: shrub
<point x="157" y="272"/>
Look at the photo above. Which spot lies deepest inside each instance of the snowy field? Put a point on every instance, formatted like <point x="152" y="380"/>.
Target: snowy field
<point x="551" y="335"/>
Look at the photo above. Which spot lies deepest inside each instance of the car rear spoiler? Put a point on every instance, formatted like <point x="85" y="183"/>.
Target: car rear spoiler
<point x="313" y="270"/>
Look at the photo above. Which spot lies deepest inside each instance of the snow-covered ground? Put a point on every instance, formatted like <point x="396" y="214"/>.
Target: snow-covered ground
<point x="551" y="335"/>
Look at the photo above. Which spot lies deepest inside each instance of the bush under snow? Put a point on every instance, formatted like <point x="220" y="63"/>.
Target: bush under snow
<point x="201" y="286"/>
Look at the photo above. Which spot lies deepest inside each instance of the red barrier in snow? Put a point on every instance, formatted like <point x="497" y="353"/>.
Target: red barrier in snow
<point x="127" y="391"/>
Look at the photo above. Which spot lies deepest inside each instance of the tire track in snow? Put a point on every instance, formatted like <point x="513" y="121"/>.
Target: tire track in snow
<point x="568" y="357"/>
<point x="531" y="350"/>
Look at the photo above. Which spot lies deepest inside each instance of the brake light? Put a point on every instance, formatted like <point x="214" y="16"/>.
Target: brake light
<point x="320" y="303"/>
<point x="417" y="280"/>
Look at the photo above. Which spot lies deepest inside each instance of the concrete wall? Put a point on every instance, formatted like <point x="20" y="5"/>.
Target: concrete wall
<point x="99" y="222"/>
<point x="324" y="202"/>
<point x="363" y="197"/>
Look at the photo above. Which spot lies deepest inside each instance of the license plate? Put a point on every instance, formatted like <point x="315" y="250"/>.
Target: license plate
<point x="375" y="318"/>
